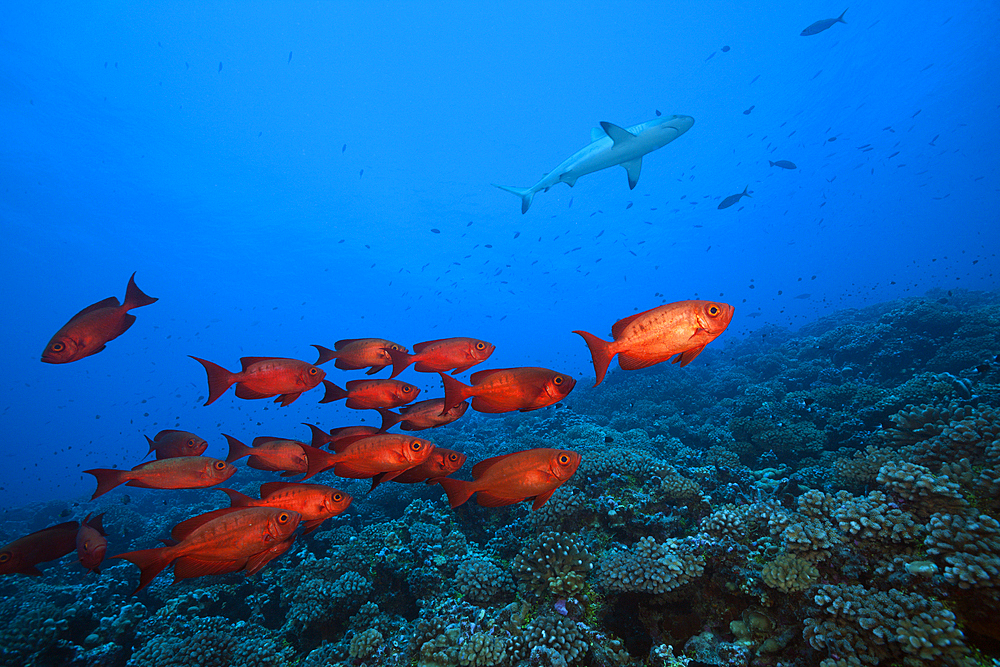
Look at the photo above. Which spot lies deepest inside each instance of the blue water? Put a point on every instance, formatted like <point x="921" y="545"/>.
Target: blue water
<point x="273" y="174"/>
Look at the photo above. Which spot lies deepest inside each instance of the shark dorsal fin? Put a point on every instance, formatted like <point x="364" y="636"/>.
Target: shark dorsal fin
<point x="617" y="134"/>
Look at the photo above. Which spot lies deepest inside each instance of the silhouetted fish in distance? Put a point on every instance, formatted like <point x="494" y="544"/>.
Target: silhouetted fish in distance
<point x="820" y="26"/>
<point x="732" y="199"/>
<point x="784" y="164"/>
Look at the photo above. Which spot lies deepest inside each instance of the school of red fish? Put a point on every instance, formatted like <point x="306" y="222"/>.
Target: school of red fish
<point x="254" y="531"/>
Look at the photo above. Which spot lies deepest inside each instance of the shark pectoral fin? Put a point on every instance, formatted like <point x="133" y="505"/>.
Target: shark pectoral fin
<point x="568" y="178"/>
<point x="633" y="167"/>
<point x="618" y="134"/>
<point x="597" y="134"/>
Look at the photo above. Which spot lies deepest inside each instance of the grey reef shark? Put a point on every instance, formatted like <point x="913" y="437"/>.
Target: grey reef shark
<point x="610" y="145"/>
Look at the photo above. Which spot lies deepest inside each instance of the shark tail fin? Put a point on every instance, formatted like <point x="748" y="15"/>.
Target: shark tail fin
<point x="526" y="195"/>
<point x="841" y="17"/>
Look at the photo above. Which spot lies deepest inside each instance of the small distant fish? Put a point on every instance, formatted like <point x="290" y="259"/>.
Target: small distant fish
<point x="422" y="415"/>
<point x="92" y="543"/>
<point x="732" y="199"/>
<point x="89" y="331"/>
<point x="754" y="79"/>
<point x="220" y="65"/>
<point x="725" y="49"/>
<point x="23" y="554"/>
<point x="534" y="474"/>
<point x="170" y="443"/>
<point x="746" y="112"/>
<point x="343" y="148"/>
<point x="803" y="296"/>
<point x="447" y="354"/>
<point x="754" y="314"/>
<point x="710" y="56"/>
<point x="345" y="433"/>
<point x="784" y="164"/>
<point x="683" y="328"/>
<point x="289" y="56"/>
<point x="353" y="354"/>
<point x="820" y="26"/>
<point x="288" y="457"/>
<point x="441" y="463"/>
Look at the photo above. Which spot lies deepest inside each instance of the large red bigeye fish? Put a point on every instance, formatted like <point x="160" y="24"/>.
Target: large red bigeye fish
<point x="91" y="329"/>
<point x="511" y="478"/>
<point x="683" y="328"/>
<point x="508" y="389"/>
<point x="353" y="354"/>
<point x="23" y="554"/>
<point x="447" y="354"/>
<point x="264" y="377"/>
<point x="373" y="394"/>
<point x="183" y="472"/>
<point x="92" y="543"/>
<point x="170" y="443"/>
<point x="315" y="502"/>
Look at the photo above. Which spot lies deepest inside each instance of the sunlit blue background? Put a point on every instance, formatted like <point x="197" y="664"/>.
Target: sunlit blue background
<point x="231" y="193"/>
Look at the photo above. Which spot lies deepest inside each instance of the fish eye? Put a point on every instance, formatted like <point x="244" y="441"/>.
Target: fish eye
<point x="191" y="442"/>
<point x="453" y="457"/>
<point x="416" y="445"/>
<point x="220" y="465"/>
<point x="313" y="370"/>
<point x="283" y="518"/>
<point x="337" y="497"/>
<point x="563" y="459"/>
<point x="557" y="380"/>
<point x="4" y="557"/>
<point x="58" y="347"/>
<point x="407" y="388"/>
<point x="713" y="310"/>
<point x="394" y="347"/>
<point x="480" y="345"/>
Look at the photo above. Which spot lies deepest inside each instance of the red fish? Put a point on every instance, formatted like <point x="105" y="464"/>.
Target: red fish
<point x="169" y="443"/>
<point x="264" y="377"/>
<point x="23" y="554"/>
<point x="92" y="543"/>
<point x="226" y="540"/>
<point x="91" y="329"/>
<point x="683" y="328"/>
<point x="185" y="472"/>
<point x="373" y="394"/>
<point x="508" y="389"/>
<point x="441" y="463"/>
<point x="422" y="415"/>
<point x="389" y="453"/>
<point x="272" y="454"/>
<point x="356" y="353"/>
<point x="315" y="502"/>
<point x="443" y="355"/>
<point x="321" y="438"/>
<point x="511" y="478"/>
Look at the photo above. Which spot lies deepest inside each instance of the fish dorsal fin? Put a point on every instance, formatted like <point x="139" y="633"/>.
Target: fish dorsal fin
<point x="97" y="523"/>
<point x="618" y="327"/>
<point x="185" y="528"/>
<point x="480" y="468"/>
<point x="169" y="430"/>
<point x="340" y="444"/>
<point x="596" y="134"/>
<point x="419" y="347"/>
<point x="146" y="464"/>
<point x="269" y="488"/>
<point x="264" y="439"/>
<point x="110" y="302"/>
<point x="632" y="168"/>
<point x="250" y="361"/>
<point x="619" y="135"/>
<point x="352" y="384"/>
<point x="479" y="376"/>
<point x="343" y="343"/>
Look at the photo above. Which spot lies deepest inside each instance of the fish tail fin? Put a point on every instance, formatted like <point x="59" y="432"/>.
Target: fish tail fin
<point x="841" y="17"/>
<point x="134" y="297"/>
<point x="745" y="191"/>
<point x="333" y="392"/>
<point x="237" y="499"/>
<point x="150" y="563"/>
<point x="770" y="163"/>
<point x="219" y="379"/>
<point x="459" y="491"/>
<point x="237" y="449"/>
<point x="325" y="354"/>
<point x="107" y="479"/>
<point x="526" y="195"/>
<point x="318" y="461"/>
<point x="400" y="360"/>
<point x="152" y="445"/>
<point x="389" y="418"/>
<point x="320" y="437"/>
<point x="600" y="352"/>
<point x="454" y="392"/>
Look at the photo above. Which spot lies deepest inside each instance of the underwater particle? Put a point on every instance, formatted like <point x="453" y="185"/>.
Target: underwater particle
<point x="658" y="112"/>
<point x="435" y="231"/>
<point x="832" y="139"/>
<point x="746" y="112"/>
<point x="289" y="56"/>
<point x="516" y="234"/>
<point x="628" y="206"/>
<point x="362" y="173"/>
<point x="725" y="49"/>
<point x="343" y="148"/>
<point x="220" y="65"/>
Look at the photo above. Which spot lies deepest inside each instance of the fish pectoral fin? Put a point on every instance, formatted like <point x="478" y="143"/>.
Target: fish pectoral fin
<point x="688" y="356"/>
<point x="487" y="499"/>
<point x="542" y="498"/>
<point x="187" y="567"/>
<point x="619" y="135"/>
<point x="633" y="167"/>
